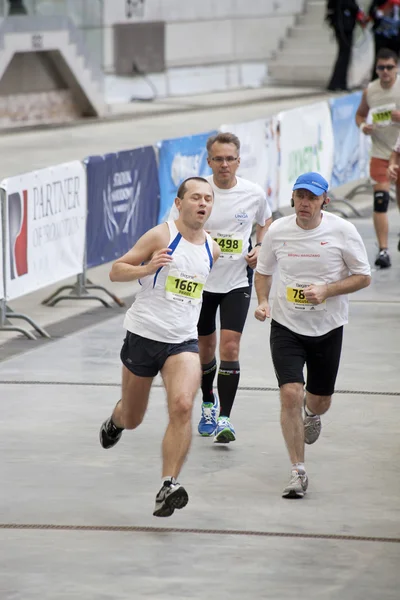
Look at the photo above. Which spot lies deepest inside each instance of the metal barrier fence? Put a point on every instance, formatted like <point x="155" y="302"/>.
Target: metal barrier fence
<point x="59" y="221"/>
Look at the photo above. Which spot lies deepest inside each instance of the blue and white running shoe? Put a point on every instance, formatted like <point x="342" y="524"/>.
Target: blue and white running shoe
<point x="209" y="416"/>
<point x="225" y="431"/>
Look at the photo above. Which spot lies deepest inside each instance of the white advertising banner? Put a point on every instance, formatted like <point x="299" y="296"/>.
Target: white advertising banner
<point x="1" y="247"/>
<point x="306" y="143"/>
<point x="259" y="154"/>
<point x="45" y="215"/>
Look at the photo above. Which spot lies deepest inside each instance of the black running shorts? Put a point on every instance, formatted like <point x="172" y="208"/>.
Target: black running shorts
<point x="291" y="351"/>
<point x="145" y="358"/>
<point x="233" y="308"/>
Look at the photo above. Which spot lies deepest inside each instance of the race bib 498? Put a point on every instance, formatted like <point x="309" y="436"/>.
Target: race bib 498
<point x="231" y="244"/>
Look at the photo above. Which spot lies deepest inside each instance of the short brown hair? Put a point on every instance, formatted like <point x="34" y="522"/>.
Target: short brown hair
<point x="183" y="189"/>
<point x="386" y="54"/>
<point x="223" y="138"/>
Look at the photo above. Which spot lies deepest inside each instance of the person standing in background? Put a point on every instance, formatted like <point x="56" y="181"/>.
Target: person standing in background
<point x="342" y="16"/>
<point x="385" y="15"/>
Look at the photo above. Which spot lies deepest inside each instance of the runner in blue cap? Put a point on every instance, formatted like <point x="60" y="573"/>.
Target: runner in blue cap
<point x="321" y="258"/>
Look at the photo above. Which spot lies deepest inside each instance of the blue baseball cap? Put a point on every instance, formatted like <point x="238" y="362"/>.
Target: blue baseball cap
<point x="314" y="182"/>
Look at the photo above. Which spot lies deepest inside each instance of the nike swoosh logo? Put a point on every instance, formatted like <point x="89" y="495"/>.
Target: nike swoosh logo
<point x="323" y="243"/>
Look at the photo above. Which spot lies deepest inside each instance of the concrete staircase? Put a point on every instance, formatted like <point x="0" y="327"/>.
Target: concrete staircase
<point x="307" y="54"/>
<point x="64" y="44"/>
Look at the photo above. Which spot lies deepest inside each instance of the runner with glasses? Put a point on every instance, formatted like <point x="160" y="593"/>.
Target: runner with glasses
<point x="238" y="203"/>
<point x="381" y="102"/>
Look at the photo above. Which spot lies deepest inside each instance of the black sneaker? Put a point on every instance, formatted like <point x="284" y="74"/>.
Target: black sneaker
<point x="171" y="496"/>
<point x="383" y="259"/>
<point x="110" y="434"/>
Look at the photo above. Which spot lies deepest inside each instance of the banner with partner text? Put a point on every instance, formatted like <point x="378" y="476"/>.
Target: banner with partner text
<point x="306" y="144"/>
<point x="123" y="201"/>
<point x="45" y="227"/>
<point x="179" y="159"/>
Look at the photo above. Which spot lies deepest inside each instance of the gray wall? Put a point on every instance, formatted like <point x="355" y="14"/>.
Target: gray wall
<point x="204" y="32"/>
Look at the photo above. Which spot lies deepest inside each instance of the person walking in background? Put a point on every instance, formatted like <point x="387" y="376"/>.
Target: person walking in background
<point x="381" y="100"/>
<point x="385" y="15"/>
<point x="342" y="16"/>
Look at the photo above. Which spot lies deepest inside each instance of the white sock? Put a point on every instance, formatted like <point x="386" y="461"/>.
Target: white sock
<point x="299" y="467"/>
<point x="308" y="412"/>
<point x="168" y="478"/>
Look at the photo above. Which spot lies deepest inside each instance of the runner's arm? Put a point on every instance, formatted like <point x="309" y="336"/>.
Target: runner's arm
<point x="216" y="251"/>
<point x="362" y="110"/>
<point x="316" y="294"/>
<point x="150" y="249"/>
<point x="348" y="285"/>
<point x="261" y="230"/>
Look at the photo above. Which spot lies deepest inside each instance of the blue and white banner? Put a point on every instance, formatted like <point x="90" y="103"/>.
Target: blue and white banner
<point x="259" y="154"/>
<point x="123" y="202"/>
<point x="306" y="144"/>
<point x="351" y="146"/>
<point x="179" y="159"/>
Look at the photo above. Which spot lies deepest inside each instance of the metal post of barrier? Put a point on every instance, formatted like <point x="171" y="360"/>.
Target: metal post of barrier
<point x="6" y="313"/>
<point x="80" y="291"/>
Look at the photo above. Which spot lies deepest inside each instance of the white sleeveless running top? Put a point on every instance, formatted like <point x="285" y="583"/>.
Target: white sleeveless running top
<point x="381" y="102"/>
<point x="167" y="306"/>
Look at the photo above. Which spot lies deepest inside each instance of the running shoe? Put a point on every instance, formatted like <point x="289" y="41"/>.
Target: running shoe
<point x="297" y="485"/>
<point x="383" y="259"/>
<point x="312" y="428"/>
<point x="209" y="416"/>
<point x="171" y="496"/>
<point x="110" y="434"/>
<point x="225" y="432"/>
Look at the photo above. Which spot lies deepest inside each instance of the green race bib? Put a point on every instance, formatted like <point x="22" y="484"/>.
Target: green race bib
<point x="231" y="244"/>
<point x="382" y="115"/>
<point x="183" y="287"/>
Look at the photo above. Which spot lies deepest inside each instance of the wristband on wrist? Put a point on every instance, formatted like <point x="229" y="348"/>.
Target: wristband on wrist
<point x="259" y="244"/>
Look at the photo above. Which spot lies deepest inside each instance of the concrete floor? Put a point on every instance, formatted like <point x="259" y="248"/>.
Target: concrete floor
<point x="341" y="542"/>
<point x="54" y="472"/>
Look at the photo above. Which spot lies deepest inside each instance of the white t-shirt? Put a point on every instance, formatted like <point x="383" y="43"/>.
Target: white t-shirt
<point x="230" y="224"/>
<point x="330" y="252"/>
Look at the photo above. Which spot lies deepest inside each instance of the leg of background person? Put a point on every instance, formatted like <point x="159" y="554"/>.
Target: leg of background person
<point x="379" y="42"/>
<point x="130" y="410"/>
<point x="181" y="374"/>
<point x="292" y="399"/>
<point x="207" y="348"/>
<point x="229" y="370"/>
<point x="339" y="76"/>
<point x="318" y="405"/>
<point x="398" y="194"/>
<point x="381" y="222"/>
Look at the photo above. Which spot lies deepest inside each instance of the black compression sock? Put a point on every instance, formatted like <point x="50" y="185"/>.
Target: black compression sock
<point x="207" y="380"/>
<point x="228" y="381"/>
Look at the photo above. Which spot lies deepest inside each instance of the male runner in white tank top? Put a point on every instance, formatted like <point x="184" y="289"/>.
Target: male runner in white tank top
<point x="238" y="203"/>
<point x="172" y="262"/>
<point x="317" y="259"/>
<point x="381" y="100"/>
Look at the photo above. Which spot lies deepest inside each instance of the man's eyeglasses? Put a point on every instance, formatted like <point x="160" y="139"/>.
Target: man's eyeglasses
<point x="222" y="159"/>
<point x="385" y="67"/>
